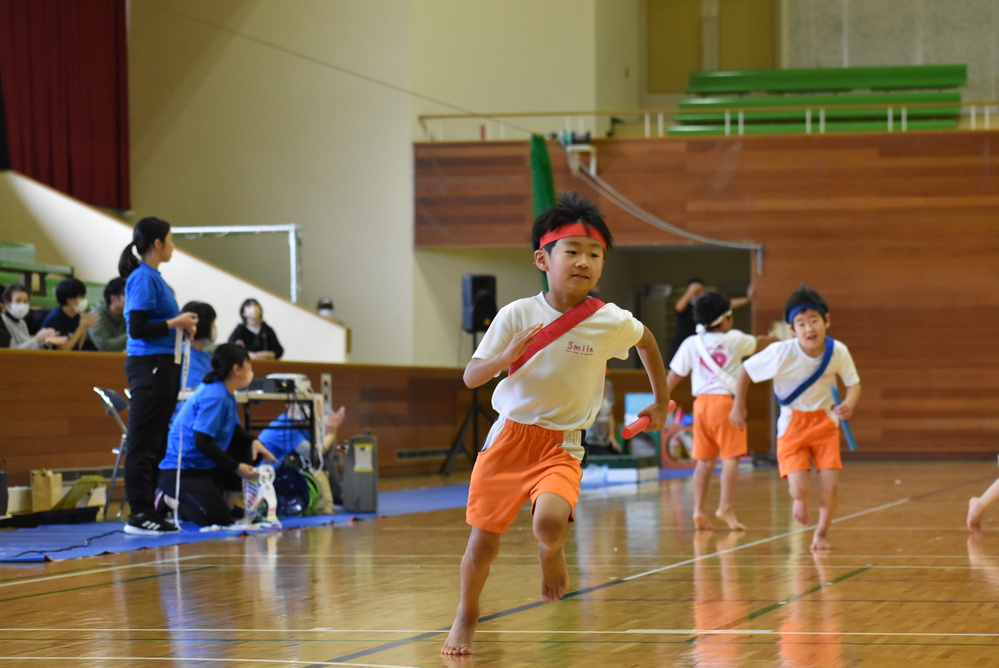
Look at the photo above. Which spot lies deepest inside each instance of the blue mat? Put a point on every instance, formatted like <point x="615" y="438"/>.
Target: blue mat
<point x="57" y="542"/>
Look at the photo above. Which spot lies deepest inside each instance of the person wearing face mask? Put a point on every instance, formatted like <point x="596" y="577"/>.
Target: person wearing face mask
<point x="151" y="367"/>
<point x="256" y="335"/>
<point x="71" y="320"/>
<point x="213" y="451"/>
<point x="324" y="307"/>
<point x="16" y="307"/>
<point x="111" y="332"/>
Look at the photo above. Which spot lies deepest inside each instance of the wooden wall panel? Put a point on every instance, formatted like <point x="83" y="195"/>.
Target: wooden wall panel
<point x="899" y="232"/>
<point x="51" y="418"/>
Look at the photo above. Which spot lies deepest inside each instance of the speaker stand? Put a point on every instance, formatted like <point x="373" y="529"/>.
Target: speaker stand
<point x="471" y="422"/>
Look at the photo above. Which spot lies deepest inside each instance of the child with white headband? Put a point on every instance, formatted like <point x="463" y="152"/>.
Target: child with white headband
<point x="713" y="358"/>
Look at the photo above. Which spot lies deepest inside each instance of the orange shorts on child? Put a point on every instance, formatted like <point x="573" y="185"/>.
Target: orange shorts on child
<point x="811" y="435"/>
<point x="523" y="462"/>
<point x="714" y="435"/>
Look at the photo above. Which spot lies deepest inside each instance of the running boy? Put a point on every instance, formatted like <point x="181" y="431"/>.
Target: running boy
<point x="804" y="370"/>
<point x="712" y="358"/>
<point x="556" y="345"/>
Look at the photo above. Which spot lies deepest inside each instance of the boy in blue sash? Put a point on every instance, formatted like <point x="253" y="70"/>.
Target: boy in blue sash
<point x="803" y="370"/>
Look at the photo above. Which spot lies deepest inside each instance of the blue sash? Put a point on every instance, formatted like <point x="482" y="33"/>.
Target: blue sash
<point x="826" y="356"/>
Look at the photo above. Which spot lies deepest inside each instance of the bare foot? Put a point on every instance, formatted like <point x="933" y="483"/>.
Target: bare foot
<point x="820" y="543"/>
<point x="554" y="574"/>
<point x="702" y="523"/>
<point x="459" y="640"/>
<point x="800" y="512"/>
<point x="728" y="517"/>
<point x="974" y="514"/>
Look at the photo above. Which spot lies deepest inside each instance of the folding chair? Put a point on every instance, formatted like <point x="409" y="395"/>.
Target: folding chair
<point x="114" y="404"/>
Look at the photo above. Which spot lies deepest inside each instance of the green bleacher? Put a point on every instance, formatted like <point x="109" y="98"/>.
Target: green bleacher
<point x="18" y="264"/>
<point x="849" y="99"/>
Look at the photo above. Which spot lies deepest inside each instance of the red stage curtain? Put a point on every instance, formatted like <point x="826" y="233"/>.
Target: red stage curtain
<point x="63" y="71"/>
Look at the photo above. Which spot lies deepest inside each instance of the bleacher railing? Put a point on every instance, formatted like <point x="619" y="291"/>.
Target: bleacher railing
<point x="656" y="123"/>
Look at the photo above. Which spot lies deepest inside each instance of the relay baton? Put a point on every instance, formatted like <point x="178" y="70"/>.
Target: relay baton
<point x="850" y="440"/>
<point x="637" y="426"/>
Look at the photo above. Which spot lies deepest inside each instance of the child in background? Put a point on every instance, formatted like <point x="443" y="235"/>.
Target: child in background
<point x="978" y="504"/>
<point x="804" y="369"/>
<point x="713" y="358"/>
<point x="556" y="346"/>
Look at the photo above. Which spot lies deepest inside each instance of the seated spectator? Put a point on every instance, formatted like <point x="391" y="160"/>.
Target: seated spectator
<point x="213" y="450"/>
<point x="71" y="320"/>
<point x="324" y="307"/>
<point x="4" y="334"/>
<point x="111" y="332"/>
<point x="256" y="335"/>
<point x="16" y="308"/>
<point x="286" y="434"/>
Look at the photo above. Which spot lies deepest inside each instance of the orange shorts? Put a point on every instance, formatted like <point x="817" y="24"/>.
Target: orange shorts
<point x="811" y="435"/>
<point x="714" y="435"/>
<point x="523" y="462"/>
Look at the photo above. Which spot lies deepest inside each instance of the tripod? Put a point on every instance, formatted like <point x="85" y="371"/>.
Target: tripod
<point x="471" y="421"/>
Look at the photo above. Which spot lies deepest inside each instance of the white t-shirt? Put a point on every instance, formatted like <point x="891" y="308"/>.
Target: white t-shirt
<point x="561" y="387"/>
<point x="789" y="366"/>
<point x="726" y="348"/>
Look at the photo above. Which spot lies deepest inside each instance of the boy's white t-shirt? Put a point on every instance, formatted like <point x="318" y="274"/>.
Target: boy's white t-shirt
<point x="789" y="366"/>
<point x="726" y="348"/>
<point x="561" y="386"/>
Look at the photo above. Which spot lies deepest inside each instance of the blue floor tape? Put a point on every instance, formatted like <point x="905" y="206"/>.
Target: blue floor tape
<point x="57" y="542"/>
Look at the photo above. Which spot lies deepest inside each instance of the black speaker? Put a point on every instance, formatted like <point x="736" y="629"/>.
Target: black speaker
<point x="478" y="302"/>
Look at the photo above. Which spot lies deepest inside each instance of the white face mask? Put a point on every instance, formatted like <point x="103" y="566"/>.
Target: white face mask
<point x="214" y="335"/>
<point x="326" y="312"/>
<point x="19" y="309"/>
<point x="80" y="306"/>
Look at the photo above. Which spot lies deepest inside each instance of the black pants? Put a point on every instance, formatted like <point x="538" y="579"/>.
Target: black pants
<point x="203" y="491"/>
<point x="154" y="381"/>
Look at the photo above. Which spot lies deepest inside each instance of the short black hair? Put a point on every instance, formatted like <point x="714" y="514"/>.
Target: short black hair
<point x="570" y="208"/>
<point x="114" y="288"/>
<point x="68" y="288"/>
<point x="206" y="318"/>
<point x="709" y="307"/>
<point x="225" y="357"/>
<point x="804" y="298"/>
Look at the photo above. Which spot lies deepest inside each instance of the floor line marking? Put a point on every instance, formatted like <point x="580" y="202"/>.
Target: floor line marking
<point x="761" y="541"/>
<point x="730" y="632"/>
<point x="228" y="661"/>
<point x="59" y="576"/>
<point x="611" y="583"/>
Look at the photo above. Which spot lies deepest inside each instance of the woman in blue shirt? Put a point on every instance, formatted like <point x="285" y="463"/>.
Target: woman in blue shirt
<point x="153" y="373"/>
<point x="212" y="449"/>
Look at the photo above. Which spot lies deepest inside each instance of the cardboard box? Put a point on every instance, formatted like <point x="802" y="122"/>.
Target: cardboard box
<point x="46" y="490"/>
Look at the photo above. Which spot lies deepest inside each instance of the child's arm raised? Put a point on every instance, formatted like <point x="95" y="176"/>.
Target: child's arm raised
<point x="672" y="380"/>
<point x="738" y="415"/>
<point x="764" y="341"/>
<point x="479" y="371"/>
<point x="652" y="359"/>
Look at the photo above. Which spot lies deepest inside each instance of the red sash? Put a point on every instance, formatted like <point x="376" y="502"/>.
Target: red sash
<point x="557" y="328"/>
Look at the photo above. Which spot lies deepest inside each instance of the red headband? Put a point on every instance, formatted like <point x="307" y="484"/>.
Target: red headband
<point x="576" y="229"/>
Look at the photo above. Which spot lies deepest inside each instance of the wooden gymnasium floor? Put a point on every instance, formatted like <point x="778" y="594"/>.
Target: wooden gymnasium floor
<point x="904" y="585"/>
